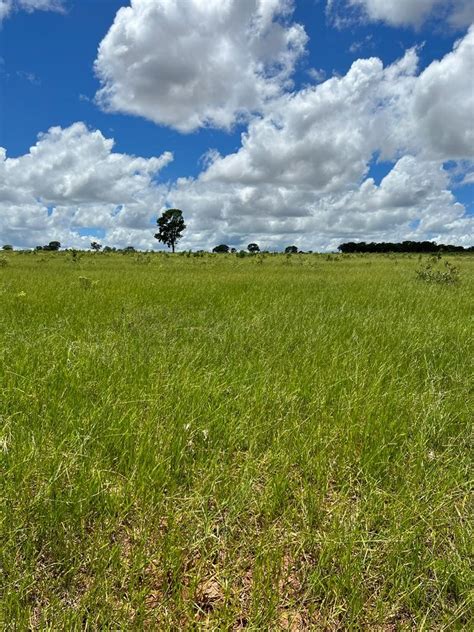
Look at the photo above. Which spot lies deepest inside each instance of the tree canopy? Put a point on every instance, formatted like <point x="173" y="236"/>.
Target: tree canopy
<point x="404" y="246"/>
<point x="170" y="226"/>
<point x="222" y="248"/>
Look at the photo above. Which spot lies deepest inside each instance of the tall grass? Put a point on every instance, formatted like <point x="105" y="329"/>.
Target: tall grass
<point x="218" y="443"/>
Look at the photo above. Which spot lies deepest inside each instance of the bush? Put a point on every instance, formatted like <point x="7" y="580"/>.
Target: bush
<point x="430" y="274"/>
<point x="221" y="249"/>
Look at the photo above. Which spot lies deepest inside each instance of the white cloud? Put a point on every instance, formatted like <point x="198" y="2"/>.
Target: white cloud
<point x="301" y="172"/>
<point x="442" y="107"/>
<point x="75" y="174"/>
<point x="317" y="74"/>
<point x="198" y="63"/>
<point x="412" y="202"/>
<point x="300" y="176"/>
<point x="323" y="136"/>
<point x="9" y="6"/>
<point x="458" y="13"/>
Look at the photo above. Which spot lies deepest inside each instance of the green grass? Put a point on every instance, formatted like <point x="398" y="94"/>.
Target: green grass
<point x="213" y="443"/>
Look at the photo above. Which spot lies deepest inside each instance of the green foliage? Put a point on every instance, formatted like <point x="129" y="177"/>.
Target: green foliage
<point x="433" y="273"/>
<point x="205" y="443"/>
<point x="221" y="249"/>
<point x="7" y="247"/>
<point x="52" y="246"/>
<point x="75" y="256"/>
<point x="291" y="250"/>
<point x="253" y="248"/>
<point x="171" y="225"/>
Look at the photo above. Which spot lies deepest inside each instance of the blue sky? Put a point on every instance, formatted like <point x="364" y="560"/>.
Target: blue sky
<point x="48" y="81"/>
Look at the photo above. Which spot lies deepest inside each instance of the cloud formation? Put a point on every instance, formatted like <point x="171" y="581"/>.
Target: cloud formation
<point x="303" y="165"/>
<point x="9" y="6"/>
<point x="301" y="175"/>
<point x="458" y="13"/>
<point x="198" y="63"/>
<point x="72" y="181"/>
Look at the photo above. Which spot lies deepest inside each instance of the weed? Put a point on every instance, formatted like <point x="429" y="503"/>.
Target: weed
<point x="430" y="273"/>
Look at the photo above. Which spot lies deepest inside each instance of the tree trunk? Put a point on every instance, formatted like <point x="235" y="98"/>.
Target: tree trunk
<point x="172" y="247"/>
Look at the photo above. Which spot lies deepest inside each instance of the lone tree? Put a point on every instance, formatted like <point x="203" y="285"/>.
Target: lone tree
<point x="7" y="247"/>
<point x="291" y="250"/>
<point x="170" y="226"/>
<point x="253" y="248"/>
<point x="96" y="246"/>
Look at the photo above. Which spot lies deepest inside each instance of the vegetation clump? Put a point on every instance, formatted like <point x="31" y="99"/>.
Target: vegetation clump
<point x="432" y="273"/>
<point x="221" y="249"/>
<point x="426" y="247"/>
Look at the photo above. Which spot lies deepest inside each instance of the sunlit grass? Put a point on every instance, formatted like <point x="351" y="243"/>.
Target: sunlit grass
<point x="219" y="442"/>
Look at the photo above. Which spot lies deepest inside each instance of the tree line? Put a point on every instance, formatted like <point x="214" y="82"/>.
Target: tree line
<point x="171" y="227"/>
<point x="429" y="247"/>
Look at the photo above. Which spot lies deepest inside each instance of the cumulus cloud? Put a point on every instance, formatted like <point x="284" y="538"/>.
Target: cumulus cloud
<point x="198" y="63"/>
<point x="458" y="13"/>
<point x="302" y="174"/>
<point x="71" y="181"/>
<point x="442" y="105"/>
<point x="9" y="6"/>
<point x="302" y="168"/>
<point x="412" y="202"/>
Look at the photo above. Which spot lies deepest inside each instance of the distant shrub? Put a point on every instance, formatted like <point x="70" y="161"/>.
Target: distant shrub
<point x="430" y="274"/>
<point x="241" y="254"/>
<point x="221" y="249"/>
<point x="53" y="246"/>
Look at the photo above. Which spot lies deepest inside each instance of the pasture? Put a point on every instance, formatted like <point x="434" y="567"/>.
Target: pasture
<point x="212" y="442"/>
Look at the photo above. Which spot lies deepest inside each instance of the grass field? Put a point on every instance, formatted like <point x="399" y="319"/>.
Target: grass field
<point x="270" y="443"/>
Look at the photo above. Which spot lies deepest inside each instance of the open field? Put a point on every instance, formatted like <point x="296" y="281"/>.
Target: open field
<point x="219" y="443"/>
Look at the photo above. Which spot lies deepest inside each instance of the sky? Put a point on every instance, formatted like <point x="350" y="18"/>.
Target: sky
<point x="281" y="122"/>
